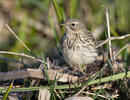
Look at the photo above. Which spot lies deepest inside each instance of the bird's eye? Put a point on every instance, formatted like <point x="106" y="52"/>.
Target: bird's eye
<point x="73" y="24"/>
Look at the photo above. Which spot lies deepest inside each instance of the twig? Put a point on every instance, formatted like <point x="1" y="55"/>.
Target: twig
<point x="22" y="54"/>
<point x="102" y="96"/>
<point x="17" y="37"/>
<point x="13" y="60"/>
<point x="116" y="54"/>
<point x="37" y="74"/>
<point x="97" y="81"/>
<point x="105" y="86"/>
<point x="113" y="38"/>
<point x="122" y="49"/>
<point x="57" y="94"/>
<point x="108" y="32"/>
<point x="20" y="41"/>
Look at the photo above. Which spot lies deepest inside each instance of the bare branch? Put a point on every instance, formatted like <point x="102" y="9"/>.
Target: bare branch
<point x="121" y="49"/>
<point x="17" y="38"/>
<point x="113" y="38"/>
<point x="36" y="73"/>
<point x="108" y="32"/>
<point x="22" y="54"/>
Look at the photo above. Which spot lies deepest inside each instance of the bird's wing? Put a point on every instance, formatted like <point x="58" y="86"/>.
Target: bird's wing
<point x="62" y="40"/>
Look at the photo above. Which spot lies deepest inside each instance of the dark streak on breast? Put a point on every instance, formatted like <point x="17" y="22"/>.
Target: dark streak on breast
<point x="81" y="40"/>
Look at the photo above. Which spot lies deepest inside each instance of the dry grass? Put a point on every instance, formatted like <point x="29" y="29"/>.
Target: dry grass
<point x="108" y="82"/>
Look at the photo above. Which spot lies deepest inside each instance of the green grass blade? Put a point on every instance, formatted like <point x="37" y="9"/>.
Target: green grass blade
<point x="102" y="80"/>
<point x="111" y="66"/>
<point x="58" y="13"/>
<point x="8" y="90"/>
<point x="73" y="8"/>
<point x="54" y="30"/>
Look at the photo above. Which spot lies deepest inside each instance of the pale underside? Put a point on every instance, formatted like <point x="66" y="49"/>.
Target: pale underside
<point x="78" y="50"/>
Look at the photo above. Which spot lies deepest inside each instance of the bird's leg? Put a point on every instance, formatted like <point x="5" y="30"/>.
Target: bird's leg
<point x="85" y="69"/>
<point x="72" y="70"/>
<point x="80" y="69"/>
<point x="71" y="75"/>
<point x="70" y="80"/>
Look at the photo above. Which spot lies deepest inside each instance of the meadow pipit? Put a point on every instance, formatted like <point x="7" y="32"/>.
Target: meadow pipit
<point x="77" y="44"/>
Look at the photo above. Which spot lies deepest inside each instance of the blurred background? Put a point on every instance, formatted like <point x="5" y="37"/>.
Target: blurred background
<point x="36" y="23"/>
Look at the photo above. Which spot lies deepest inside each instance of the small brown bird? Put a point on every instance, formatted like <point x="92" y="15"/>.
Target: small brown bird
<point x="77" y="44"/>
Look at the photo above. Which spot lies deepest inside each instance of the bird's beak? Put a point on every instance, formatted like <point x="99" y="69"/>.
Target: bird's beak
<point x="62" y="24"/>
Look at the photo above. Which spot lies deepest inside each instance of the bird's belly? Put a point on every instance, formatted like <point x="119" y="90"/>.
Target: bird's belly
<point x="79" y="57"/>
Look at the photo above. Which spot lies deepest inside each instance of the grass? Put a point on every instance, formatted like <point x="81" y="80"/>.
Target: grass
<point x="52" y="86"/>
<point x="7" y="91"/>
<point x="91" y="12"/>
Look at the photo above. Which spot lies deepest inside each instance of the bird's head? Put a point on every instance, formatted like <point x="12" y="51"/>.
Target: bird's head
<point x="74" y="25"/>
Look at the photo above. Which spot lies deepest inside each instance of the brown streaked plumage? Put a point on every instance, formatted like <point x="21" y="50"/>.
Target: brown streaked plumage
<point x="77" y="44"/>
